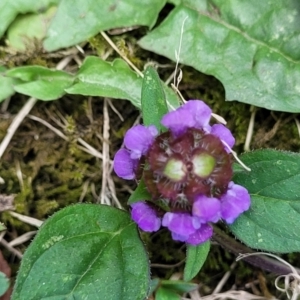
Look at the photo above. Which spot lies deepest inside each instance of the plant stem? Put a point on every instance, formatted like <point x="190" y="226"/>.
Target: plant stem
<point x="261" y="261"/>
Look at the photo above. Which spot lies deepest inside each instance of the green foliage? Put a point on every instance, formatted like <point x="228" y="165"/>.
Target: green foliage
<point x="170" y="289"/>
<point x="29" y="29"/>
<point x="40" y="82"/>
<point x="195" y="258"/>
<point x="9" y="10"/>
<point x="95" y="251"/>
<point x="251" y="48"/>
<point x="82" y="20"/>
<point x="140" y="193"/>
<point x="273" y="220"/>
<point x="6" y="85"/>
<point x="100" y="78"/>
<point x="96" y="77"/>
<point x="4" y="283"/>
<point x="154" y="105"/>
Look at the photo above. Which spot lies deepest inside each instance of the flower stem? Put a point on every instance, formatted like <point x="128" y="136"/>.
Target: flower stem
<point x="261" y="261"/>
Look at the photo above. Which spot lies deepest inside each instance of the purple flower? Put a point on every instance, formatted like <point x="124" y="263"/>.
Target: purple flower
<point x="207" y="209"/>
<point x="187" y="170"/>
<point x="145" y="216"/>
<point x="234" y="202"/>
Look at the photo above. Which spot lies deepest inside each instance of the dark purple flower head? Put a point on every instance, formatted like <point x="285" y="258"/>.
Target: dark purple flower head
<point x="188" y="168"/>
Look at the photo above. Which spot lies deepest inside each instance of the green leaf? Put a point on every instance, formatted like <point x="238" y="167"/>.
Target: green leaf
<point x="2" y="227"/>
<point x="97" y="77"/>
<point x="6" y="85"/>
<point x="179" y="286"/>
<point x="4" y="284"/>
<point x="40" y="82"/>
<point x="195" y="258"/>
<point x="141" y="193"/>
<point x="28" y="30"/>
<point x="85" y="251"/>
<point x="273" y="220"/>
<point x="77" y="21"/>
<point x="10" y="9"/>
<point x="250" y="46"/>
<point x="154" y="105"/>
<point x="153" y="285"/>
<point x="166" y="294"/>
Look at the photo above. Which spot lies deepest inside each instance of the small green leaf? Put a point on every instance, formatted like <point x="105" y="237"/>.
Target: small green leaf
<point x="250" y="46"/>
<point x="85" y="251"/>
<point x="6" y="85"/>
<point x="2" y="227"/>
<point x="141" y="193"/>
<point x="166" y="294"/>
<point x="153" y="285"/>
<point x="40" y="82"/>
<point x="154" y="105"/>
<point x="195" y="258"/>
<point x="272" y="222"/>
<point x="97" y="77"/>
<point x="179" y="286"/>
<point x="4" y="284"/>
<point x="77" y="21"/>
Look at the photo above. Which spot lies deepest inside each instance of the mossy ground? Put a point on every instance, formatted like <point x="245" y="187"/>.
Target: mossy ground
<point x="47" y="173"/>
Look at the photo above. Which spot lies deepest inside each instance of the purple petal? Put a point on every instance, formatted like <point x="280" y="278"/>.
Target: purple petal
<point x="178" y="120"/>
<point x="207" y="209"/>
<point x="138" y="139"/>
<point x="194" y="113"/>
<point x="234" y="202"/>
<point x="124" y="165"/>
<point x="201" y="235"/>
<point x="182" y="224"/>
<point x="224" y="134"/>
<point x="178" y="237"/>
<point x="200" y="111"/>
<point x="145" y="216"/>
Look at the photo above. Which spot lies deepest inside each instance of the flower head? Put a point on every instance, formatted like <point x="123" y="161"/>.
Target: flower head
<point x="188" y="168"/>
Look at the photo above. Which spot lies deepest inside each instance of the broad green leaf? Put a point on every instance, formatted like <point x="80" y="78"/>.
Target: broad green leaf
<point x="77" y="21"/>
<point x="166" y="294"/>
<point x="6" y="85"/>
<point x="40" y="82"/>
<point x="195" y="258"/>
<point x="272" y="223"/>
<point x="27" y="30"/>
<point x="85" y="251"/>
<point x="97" y="77"/>
<point x="154" y="105"/>
<point x="10" y="9"/>
<point x="179" y="286"/>
<point x="252" y="47"/>
<point x="141" y="193"/>
<point x="4" y="283"/>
